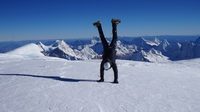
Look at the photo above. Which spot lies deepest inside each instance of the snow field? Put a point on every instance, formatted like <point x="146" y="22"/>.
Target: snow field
<point x="42" y="84"/>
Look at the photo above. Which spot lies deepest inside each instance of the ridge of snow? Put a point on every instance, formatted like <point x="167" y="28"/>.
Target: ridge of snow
<point x="30" y="49"/>
<point x="45" y="48"/>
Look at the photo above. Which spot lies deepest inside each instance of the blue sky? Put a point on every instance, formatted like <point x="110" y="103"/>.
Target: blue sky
<point x="55" y="19"/>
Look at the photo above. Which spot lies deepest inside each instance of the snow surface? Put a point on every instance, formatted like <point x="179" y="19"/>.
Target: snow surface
<point x="47" y="84"/>
<point x="31" y="49"/>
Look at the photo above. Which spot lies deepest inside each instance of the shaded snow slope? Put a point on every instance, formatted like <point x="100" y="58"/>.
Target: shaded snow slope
<point x="45" y="84"/>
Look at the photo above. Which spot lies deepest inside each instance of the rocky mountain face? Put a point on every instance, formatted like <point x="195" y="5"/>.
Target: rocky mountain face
<point x="138" y="49"/>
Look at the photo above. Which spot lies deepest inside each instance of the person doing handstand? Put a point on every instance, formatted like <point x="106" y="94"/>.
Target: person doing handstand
<point x="109" y="53"/>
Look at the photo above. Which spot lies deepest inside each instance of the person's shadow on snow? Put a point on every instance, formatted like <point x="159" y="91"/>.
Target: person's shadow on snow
<point x="51" y="77"/>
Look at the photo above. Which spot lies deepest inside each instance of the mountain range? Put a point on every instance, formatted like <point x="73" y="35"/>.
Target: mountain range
<point x="138" y="49"/>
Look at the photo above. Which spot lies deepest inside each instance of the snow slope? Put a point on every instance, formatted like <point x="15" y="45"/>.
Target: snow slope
<point x="44" y="84"/>
<point x="29" y="50"/>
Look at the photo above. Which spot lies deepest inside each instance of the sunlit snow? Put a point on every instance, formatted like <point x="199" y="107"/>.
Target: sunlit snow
<point x="44" y="84"/>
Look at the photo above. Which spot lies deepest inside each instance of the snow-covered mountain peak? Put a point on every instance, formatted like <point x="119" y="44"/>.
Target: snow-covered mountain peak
<point x="42" y="46"/>
<point x="95" y="40"/>
<point x="140" y="39"/>
<point x="59" y="43"/>
<point x="40" y="43"/>
<point x="61" y="49"/>
<point x="145" y="43"/>
<point x="155" y="42"/>
<point x="119" y="43"/>
<point x="86" y="53"/>
<point x="165" y="42"/>
<point x="156" y="56"/>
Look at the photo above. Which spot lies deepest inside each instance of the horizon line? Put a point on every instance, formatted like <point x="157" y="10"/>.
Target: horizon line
<point x="83" y="38"/>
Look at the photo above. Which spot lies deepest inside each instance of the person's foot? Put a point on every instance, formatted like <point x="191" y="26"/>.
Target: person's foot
<point x="116" y="21"/>
<point x="97" y="23"/>
<point x="101" y="80"/>
<point x="115" y="82"/>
